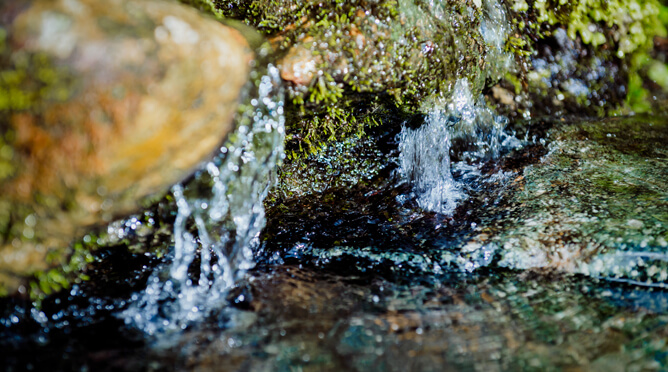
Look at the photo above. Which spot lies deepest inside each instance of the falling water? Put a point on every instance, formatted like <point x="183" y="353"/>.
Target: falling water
<point x="220" y="214"/>
<point x="425" y="160"/>
<point x="425" y="152"/>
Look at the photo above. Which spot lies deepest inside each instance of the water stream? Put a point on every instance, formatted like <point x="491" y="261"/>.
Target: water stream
<point x="465" y="242"/>
<point x="425" y="152"/>
<point x="219" y="216"/>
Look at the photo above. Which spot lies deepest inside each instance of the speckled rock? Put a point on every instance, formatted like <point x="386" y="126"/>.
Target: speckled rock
<point x="103" y="104"/>
<point x="596" y="204"/>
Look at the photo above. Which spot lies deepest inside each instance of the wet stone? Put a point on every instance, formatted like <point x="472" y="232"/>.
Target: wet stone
<point x="595" y="204"/>
<point x="320" y="321"/>
<point x="357" y="276"/>
<point x="103" y="106"/>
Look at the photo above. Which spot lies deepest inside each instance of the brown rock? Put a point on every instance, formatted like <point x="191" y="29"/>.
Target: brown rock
<point x="141" y="91"/>
<point x="299" y="66"/>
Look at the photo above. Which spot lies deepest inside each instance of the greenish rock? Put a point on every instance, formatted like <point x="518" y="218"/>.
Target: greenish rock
<point x="585" y="57"/>
<point x="330" y="54"/>
<point x="596" y="204"/>
<point x="531" y="58"/>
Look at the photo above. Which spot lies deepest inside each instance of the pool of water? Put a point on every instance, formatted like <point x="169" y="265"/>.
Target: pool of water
<point x="357" y="275"/>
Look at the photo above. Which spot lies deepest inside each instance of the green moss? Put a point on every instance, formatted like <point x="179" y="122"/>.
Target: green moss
<point x="7" y="166"/>
<point x="638" y="97"/>
<point x="415" y="50"/>
<point x="627" y="27"/>
<point x="30" y="80"/>
<point x="658" y="72"/>
<point x="152" y="233"/>
<point x="64" y="274"/>
<point x="407" y="49"/>
<point x="631" y="24"/>
<point x="206" y="6"/>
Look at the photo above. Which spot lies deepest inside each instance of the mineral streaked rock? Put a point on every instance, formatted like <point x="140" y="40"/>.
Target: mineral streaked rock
<point x="151" y="91"/>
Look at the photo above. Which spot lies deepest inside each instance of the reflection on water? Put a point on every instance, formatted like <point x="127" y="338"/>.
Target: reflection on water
<point x="315" y="320"/>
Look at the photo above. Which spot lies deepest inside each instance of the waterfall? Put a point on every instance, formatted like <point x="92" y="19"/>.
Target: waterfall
<point x="219" y="216"/>
<point x="424" y="157"/>
<point x="425" y="152"/>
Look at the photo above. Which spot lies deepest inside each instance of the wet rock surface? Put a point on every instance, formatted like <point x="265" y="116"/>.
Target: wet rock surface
<point x="588" y="198"/>
<point x="508" y="321"/>
<point x="103" y="105"/>
<point x="358" y="277"/>
<point x="444" y="239"/>
<point x="596" y="204"/>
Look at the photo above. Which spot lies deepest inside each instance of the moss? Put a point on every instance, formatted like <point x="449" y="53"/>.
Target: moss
<point x="629" y="24"/>
<point x="29" y="79"/>
<point x="616" y="36"/>
<point x="416" y="50"/>
<point x="28" y="82"/>
<point x="646" y="70"/>
<point x="206" y="6"/>
<point x="150" y="231"/>
<point x="63" y="276"/>
<point x="407" y="49"/>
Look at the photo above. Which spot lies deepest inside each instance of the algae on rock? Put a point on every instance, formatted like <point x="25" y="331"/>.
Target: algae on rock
<point x="415" y="51"/>
<point x="569" y="56"/>
<point x="583" y="56"/>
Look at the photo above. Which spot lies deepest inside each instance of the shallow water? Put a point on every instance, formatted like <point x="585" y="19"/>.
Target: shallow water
<point x="359" y="277"/>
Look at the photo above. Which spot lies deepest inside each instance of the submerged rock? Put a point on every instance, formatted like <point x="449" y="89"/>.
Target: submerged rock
<point x="102" y="105"/>
<point x="292" y="317"/>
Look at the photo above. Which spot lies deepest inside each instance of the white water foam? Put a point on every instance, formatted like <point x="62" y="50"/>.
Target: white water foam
<point x="425" y="161"/>
<point x="216" y="229"/>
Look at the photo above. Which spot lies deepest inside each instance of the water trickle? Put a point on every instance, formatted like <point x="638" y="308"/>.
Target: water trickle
<point x="494" y="28"/>
<point x="425" y="152"/>
<point x="220" y="214"/>
<point x="425" y="161"/>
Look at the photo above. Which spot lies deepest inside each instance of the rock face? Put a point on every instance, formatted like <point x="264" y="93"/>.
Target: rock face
<point x="103" y="104"/>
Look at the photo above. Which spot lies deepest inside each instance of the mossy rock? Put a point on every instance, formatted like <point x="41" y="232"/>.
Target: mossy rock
<point x="547" y="57"/>
<point x="103" y="106"/>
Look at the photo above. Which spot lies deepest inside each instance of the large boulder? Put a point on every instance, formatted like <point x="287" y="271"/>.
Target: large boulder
<point x="103" y="104"/>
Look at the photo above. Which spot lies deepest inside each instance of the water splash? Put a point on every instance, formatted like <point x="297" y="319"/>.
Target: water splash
<point x="425" y="152"/>
<point x="219" y="217"/>
<point x="425" y="161"/>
